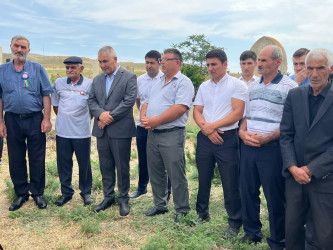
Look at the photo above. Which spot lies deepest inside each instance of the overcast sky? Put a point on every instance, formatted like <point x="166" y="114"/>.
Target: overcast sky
<point x="81" y="27"/>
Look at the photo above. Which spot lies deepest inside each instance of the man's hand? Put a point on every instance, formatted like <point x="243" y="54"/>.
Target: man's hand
<point x="46" y="125"/>
<point x="3" y="130"/>
<point x="216" y="138"/>
<point x="153" y="122"/>
<point x="144" y="122"/>
<point x="101" y="125"/>
<point x="261" y="138"/>
<point x="299" y="175"/>
<point x="300" y="76"/>
<point x="249" y="138"/>
<point x="307" y="171"/>
<point x="106" y="118"/>
<point x="207" y="128"/>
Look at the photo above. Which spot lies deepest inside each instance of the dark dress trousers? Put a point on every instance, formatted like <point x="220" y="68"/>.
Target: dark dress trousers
<point x="308" y="144"/>
<point x="114" y="141"/>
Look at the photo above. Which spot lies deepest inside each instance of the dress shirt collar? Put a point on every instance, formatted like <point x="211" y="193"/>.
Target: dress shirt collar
<point x="78" y="83"/>
<point x="114" y="73"/>
<point x="324" y="92"/>
<point x="276" y="79"/>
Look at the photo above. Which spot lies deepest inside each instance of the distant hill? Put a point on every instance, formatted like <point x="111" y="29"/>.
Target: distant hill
<point x="56" y="62"/>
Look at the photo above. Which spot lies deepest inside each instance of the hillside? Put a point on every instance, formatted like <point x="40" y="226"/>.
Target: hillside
<point x="56" y="62"/>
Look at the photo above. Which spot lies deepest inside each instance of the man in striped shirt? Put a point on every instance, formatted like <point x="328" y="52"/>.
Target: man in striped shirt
<point x="261" y="161"/>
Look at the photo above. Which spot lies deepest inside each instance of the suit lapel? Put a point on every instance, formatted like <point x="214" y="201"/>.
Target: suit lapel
<point x="115" y="81"/>
<point x="306" y="110"/>
<point x="322" y="110"/>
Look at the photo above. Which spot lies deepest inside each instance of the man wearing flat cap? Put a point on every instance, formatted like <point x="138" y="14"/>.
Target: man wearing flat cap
<point x="73" y="127"/>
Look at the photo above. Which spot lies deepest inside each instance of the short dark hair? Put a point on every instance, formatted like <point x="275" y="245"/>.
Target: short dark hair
<point x="154" y="54"/>
<point x="217" y="53"/>
<point x="175" y="52"/>
<point x="248" y="54"/>
<point x="301" y="52"/>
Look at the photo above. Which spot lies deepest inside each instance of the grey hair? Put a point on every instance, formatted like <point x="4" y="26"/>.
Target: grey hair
<point x="319" y="54"/>
<point x="276" y="52"/>
<point x="19" y="37"/>
<point x="109" y="50"/>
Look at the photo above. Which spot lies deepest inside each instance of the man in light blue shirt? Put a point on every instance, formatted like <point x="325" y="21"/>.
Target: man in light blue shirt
<point x="24" y="92"/>
<point x="165" y="115"/>
<point x="300" y="76"/>
<point x="73" y="129"/>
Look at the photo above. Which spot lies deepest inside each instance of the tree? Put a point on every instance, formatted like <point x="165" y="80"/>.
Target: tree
<point x="194" y="51"/>
<point x="193" y="72"/>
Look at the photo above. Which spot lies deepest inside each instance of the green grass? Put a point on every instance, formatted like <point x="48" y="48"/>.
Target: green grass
<point x="160" y="231"/>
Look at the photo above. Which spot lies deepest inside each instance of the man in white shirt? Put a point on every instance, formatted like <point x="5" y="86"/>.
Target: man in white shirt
<point x="145" y="83"/>
<point x="218" y="107"/>
<point x="248" y="62"/>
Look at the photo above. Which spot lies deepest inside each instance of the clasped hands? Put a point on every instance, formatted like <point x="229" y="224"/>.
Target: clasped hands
<point x="253" y="139"/>
<point x="302" y="175"/>
<point x="149" y="123"/>
<point x="209" y="130"/>
<point x="104" y="119"/>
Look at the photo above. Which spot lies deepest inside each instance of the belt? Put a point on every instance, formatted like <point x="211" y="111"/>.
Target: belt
<point x="24" y="116"/>
<point x="167" y="130"/>
<point x="228" y="132"/>
<point x="271" y="143"/>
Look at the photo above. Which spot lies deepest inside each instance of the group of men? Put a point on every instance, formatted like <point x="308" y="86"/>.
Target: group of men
<point x="285" y="130"/>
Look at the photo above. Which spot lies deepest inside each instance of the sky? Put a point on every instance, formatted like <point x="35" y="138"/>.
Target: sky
<point x="132" y="28"/>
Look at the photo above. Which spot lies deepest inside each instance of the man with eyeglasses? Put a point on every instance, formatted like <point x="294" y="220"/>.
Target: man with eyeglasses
<point x="300" y="76"/>
<point x="73" y="129"/>
<point x="145" y="83"/>
<point x="165" y="115"/>
<point x="24" y="92"/>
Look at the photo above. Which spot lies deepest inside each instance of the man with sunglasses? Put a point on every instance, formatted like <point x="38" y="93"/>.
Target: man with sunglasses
<point x="165" y="115"/>
<point x="73" y="126"/>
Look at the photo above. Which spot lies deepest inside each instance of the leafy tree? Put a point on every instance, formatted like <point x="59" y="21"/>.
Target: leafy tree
<point x="194" y="51"/>
<point x="193" y="72"/>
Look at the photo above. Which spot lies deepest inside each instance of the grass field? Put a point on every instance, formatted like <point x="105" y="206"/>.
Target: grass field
<point x="77" y="227"/>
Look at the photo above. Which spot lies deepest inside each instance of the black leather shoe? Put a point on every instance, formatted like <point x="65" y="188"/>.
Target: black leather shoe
<point x="231" y="232"/>
<point x="87" y="199"/>
<point x="124" y="208"/>
<point x="179" y="216"/>
<point x="249" y="239"/>
<point x="40" y="202"/>
<point x="203" y="218"/>
<point x="154" y="211"/>
<point x="138" y="194"/>
<point x="18" y="202"/>
<point x="104" y="205"/>
<point x="62" y="200"/>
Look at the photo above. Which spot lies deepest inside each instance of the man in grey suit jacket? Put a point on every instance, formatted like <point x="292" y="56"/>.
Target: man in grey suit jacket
<point x="307" y="150"/>
<point x="111" y="101"/>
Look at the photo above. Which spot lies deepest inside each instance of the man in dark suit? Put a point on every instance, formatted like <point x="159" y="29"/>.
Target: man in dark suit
<point x="307" y="150"/>
<point x="111" y="101"/>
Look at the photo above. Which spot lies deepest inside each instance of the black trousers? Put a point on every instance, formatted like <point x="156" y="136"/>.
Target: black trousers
<point x="65" y="149"/>
<point x="114" y="153"/>
<point x="227" y="158"/>
<point x="317" y="197"/>
<point x="262" y="166"/>
<point x="25" y="133"/>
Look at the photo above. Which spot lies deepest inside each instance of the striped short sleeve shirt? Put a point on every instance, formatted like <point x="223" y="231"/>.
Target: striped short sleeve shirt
<point x="265" y="103"/>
